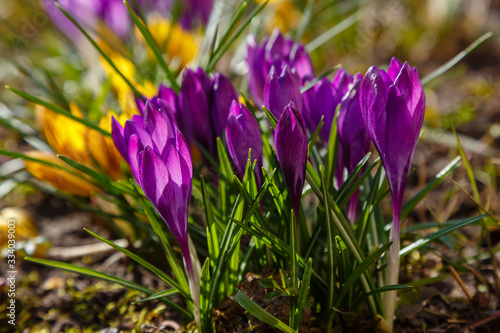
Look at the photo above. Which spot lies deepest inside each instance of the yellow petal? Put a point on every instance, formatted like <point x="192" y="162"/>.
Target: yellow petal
<point x="23" y="224"/>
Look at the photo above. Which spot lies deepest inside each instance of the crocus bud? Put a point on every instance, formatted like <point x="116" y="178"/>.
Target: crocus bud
<point x="221" y="97"/>
<point x="278" y="51"/>
<point x="319" y="102"/>
<point x="194" y="118"/>
<point x="290" y="140"/>
<point x="243" y="133"/>
<point x="322" y="100"/>
<point x="282" y="87"/>
<point x="353" y="138"/>
<point x="393" y="106"/>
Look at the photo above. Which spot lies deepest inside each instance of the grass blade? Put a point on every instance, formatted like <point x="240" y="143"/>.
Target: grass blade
<point x="442" y="69"/>
<point x="153" y="46"/>
<point x="332" y="32"/>
<point x="426" y="240"/>
<point x="57" y="109"/>
<point x="101" y="52"/>
<point x="162" y="275"/>
<point x="438" y="179"/>
<point x="255" y="310"/>
<point x="102" y="276"/>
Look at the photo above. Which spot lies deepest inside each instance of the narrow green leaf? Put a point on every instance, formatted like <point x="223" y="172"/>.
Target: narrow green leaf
<point x="315" y="136"/>
<point x="235" y="19"/>
<point x="304" y="21"/>
<point x="102" y="276"/>
<point x="272" y="119"/>
<point x="355" y="275"/>
<point x="176" y="267"/>
<point x="380" y="290"/>
<point x="304" y="291"/>
<point x="101" y="180"/>
<point x="153" y="46"/>
<point x="426" y="240"/>
<point x="313" y="82"/>
<point x="442" y="69"/>
<point x="333" y="31"/>
<point x="468" y="168"/>
<point x="438" y="179"/>
<point x="101" y="52"/>
<point x="220" y="51"/>
<point x="352" y="183"/>
<point x="57" y="109"/>
<point x="160" y="294"/>
<point x="205" y="286"/>
<point x="212" y="237"/>
<point x="331" y="159"/>
<point x="255" y="310"/>
<point x="162" y="275"/>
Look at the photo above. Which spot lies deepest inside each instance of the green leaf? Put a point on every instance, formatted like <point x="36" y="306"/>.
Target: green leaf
<point x="176" y="267"/>
<point x="354" y="276"/>
<point x="331" y="159"/>
<point x="272" y="295"/>
<point x="438" y="179"/>
<point x="205" y="286"/>
<point x="442" y="69"/>
<point x="101" y="52"/>
<point x="304" y="291"/>
<point x="332" y="32"/>
<point x="153" y="46"/>
<point x="102" y="276"/>
<point x="426" y="240"/>
<point x="255" y="310"/>
<point x="14" y="154"/>
<point x="223" y="48"/>
<point x="272" y="119"/>
<point x="383" y="289"/>
<point x="57" y="109"/>
<point x="312" y="141"/>
<point x="223" y="40"/>
<point x="348" y="188"/>
<point x="304" y="21"/>
<point x="162" y="275"/>
<point x="313" y="82"/>
<point x="468" y="168"/>
<point x="101" y="180"/>
<point x="212" y="236"/>
<point x="160" y="294"/>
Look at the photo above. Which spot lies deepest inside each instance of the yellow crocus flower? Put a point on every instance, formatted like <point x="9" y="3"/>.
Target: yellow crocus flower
<point x="179" y="45"/>
<point x="78" y="142"/>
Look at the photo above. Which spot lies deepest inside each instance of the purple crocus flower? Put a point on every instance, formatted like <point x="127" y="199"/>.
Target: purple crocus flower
<point x="354" y="140"/>
<point x="89" y="13"/>
<point x="290" y="140"/>
<point x="282" y="87"/>
<point x="243" y="133"/>
<point x="194" y="118"/>
<point x="393" y="106"/>
<point x="195" y="12"/>
<point x="221" y="99"/>
<point x="278" y="51"/>
<point x="161" y="163"/>
<point x="322" y="100"/>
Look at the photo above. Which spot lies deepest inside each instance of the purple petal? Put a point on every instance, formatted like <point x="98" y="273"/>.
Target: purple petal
<point x="373" y="101"/>
<point x="223" y="94"/>
<point x="291" y="148"/>
<point x="117" y="133"/>
<point x="281" y="89"/>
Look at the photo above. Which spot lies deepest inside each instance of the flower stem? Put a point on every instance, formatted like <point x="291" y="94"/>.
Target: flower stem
<point x="392" y="270"/>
